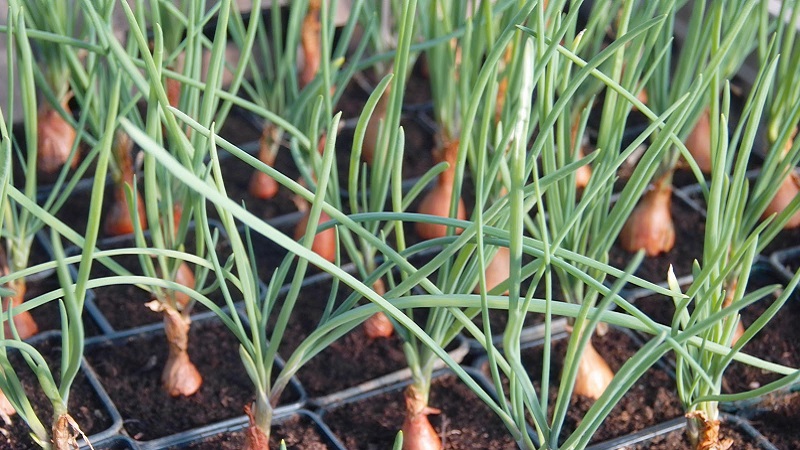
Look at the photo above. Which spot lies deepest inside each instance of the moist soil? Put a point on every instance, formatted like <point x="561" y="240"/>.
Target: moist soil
<point x="85" y="405"/>
<point x="123" y="305"/>
<point x="650" y="401"/>
<point x="349" y="361"/>
<point x="48" y="316"/>
<point x="677" y="440"/>
<point x="689" y="236"/>
<point x="778" y="420"/>
<point x="465" y="421"/>
<point x="298" y="432"/>
<point x="131" y="373"/>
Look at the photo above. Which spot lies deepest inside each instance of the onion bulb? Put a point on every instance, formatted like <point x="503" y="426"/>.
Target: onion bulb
<point x="373" y="126"/>
<point x="498" y="270"/>
<point x="185" y="277"/>
<point x="787" y="191"/>
<point x="650" y="225"/>
<point x="437" y="201"/>
<point x="261" y="185"/>
<point x="23" y="321"/>
<point x="119" y="220"/>
<point x="418" y="433"/>
<point x="56" y="137"/>
<point x="324" y="242"/>
<point x="699" y="142"/>
<point x="594" y="375"/>
<point x="310" y="42"/>
<point x="180" y="376"/>
<point x="379" y="325"/>
<point x="584" y="172"/>
<point x="6" y="409"/>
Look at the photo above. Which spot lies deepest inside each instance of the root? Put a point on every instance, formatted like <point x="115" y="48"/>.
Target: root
<point x="708" y="432"/>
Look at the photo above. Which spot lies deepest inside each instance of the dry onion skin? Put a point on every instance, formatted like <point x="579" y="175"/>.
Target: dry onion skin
<point x="650" y="226"/>
<point x="698" y="142"/>
<point x="437" y="201"/>
<point x="378" y="325"/>
<point x="594" y="375"/>
<point x="263" y="186"/>
<point x="418" y="433"/>
<point x="56" y="137"/>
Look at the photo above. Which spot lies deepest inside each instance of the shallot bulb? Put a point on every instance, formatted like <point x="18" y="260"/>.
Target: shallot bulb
<point x="437" y="201"/>
<point x="418" y="433"/>
<point x="324" y="242"/>
<point x="787" y="191"/>
<point x="498" y="270"/>
<point x="378" y="325"/>
<point x="310" y="41"/>
<point x="56" y="137"/>
<point x="650" y="225"/>
<point x="594" y="375"/>
<point x="699" y="142"/>
<point x="261" y="185"/>
<point x="373" y="127"/>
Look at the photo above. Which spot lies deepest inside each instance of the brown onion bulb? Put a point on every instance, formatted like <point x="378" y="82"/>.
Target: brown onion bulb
<point x="261" y="185"/>
<point x="787" y="191"/>
<point x="650" y="225"/>
<point x="56" y="138"/>
<point x="699" y="142"/>
<point x="437" y="201"/>
<point x="418" y="433"/>
<point x="594" y="375"/>
<point x="498" y="270"/>
<point x="373" y="127"/>
<point x="378" y="325"/>
<point x="324" y="242"/>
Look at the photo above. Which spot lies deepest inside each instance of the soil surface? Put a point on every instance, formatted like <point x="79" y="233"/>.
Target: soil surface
<point x="85" y="405"/>
<point x="131" y="373"/>
<point x="650" y="401"/>
<point x="350" y="360"/>
<point x="677" y="440"/>
<point x="123" y="305"/>
<point x="298" y="432"/>
<point x="465" y="421"/>
<point x="778" y="421"/>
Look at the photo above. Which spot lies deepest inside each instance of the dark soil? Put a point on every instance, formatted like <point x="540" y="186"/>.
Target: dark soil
<point x="689" y="237"/>
<point x="123" y="305"/>
<point x="84" y="404"/>
<point x="650" y="401"/>
<point x="778" y="421"/>
<point x="131" y="373"/>
<point x="349" y="361"/>
<point x="48" y="316"/>
<point x="298" y="432"/>
<point x="677" y="440"/>
<point x="464" y="423"/>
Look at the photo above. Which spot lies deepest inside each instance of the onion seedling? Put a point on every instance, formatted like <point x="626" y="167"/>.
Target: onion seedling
<point x="63" y="429"/>
<point x="650" y="226"/>
<point x="784" y="97"/>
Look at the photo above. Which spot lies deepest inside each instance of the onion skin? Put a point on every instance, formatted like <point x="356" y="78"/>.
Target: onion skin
<point x="378" y="325"/>
<point x="263" y="186"/>
<point x="418" y="433"/>
<point x="594" y="375"/>
<point x="699" y="142"/>
<point x="119" y="222"/>
<point x="6" y="409"/>
<point x="23" y="322"/>
<point x="56" y="138"/>
<point x="373" y="126"/>
<point x="787" y="191"/>
<point x="707" y="432"/>
<point x="180" y="376"/>
<point x="498" y="270"/>
<point x="650" y="226"/>
<point x="437" y="201"/>
<point x="184" y="276"/>
<point x="324" y="242"/>
<point x="310" y="42"/>
<point x="257" y="438"/>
